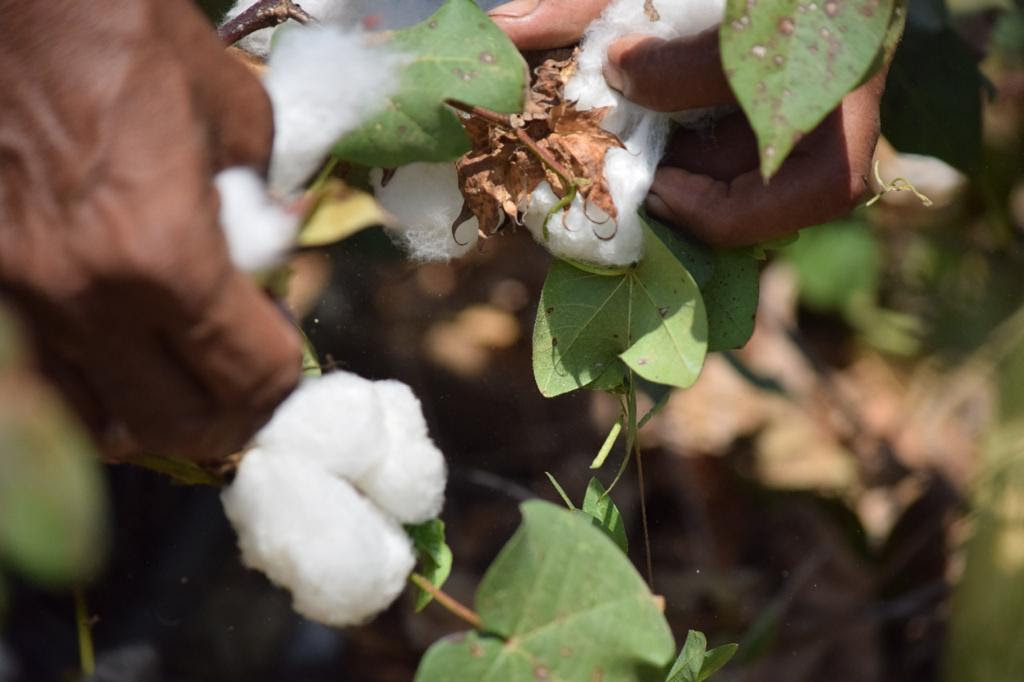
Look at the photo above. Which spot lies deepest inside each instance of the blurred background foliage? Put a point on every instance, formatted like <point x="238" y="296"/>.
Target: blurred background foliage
<point x="844" y="496"/>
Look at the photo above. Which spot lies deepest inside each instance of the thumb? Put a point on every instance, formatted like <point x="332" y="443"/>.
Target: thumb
<point x="669" y="75"/>
<point x="546" y="24"/>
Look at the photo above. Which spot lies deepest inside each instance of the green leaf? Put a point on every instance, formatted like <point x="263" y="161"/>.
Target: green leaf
<point x="651" y="318"/>
<point x="932" y="100"/>
<point x="790" y="62"/>
<point x="716" y="659"/>
<point x="837" y="264"/>
<point x="560" y="602"/>
<point x="181" y="470"/>
<point x="695" y="256"/>
<point x="605" y="514"/>
<point x="53" y="509"/>
<point x="730" y="298"/>
<point x="456" y="54"/>
<point x="695" y="663"/>
<point x="691" y="658"/>
<point x="434" y="555"/>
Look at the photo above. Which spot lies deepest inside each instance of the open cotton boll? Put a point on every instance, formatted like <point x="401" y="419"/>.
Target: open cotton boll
<point x="342" y="560"/>
<point x="339" y="12"/>
<point x="323" y="81"/>
<point x="259" y="231"/>
<point x="587" y="235"/>
<point x="334" y="421"/>
<point x="408" y="481"/>
<point x="425" y="198"/>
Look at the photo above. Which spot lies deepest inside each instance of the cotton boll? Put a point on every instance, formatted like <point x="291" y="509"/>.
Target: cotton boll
<point x="312" y="533"/>
<point x="334" y="421"/>
<point x="408" y="481"/>
<point x="425" y="198"/>
<point x="338" y="12"/>
<point x="323" y="82"/>
<point x="591" y="236"/>
<point x="259" y="231"/>
<point x="587" y="235"/>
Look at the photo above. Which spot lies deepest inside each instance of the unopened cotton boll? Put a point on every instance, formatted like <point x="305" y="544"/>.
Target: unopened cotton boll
<point x="408" y="481"/>
<point x="335" y="421"/>
<point x="323" y="82"/>
<point x="589" y="235"/>
<point x="340" y="557"/>
<point x="259" y="231"/>
<point x="425" y="198"/>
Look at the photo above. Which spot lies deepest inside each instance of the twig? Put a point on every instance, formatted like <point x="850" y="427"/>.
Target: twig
<point x="264" y="14"/>
<point x="86" y="651"/>
<point x="448" y="602"/>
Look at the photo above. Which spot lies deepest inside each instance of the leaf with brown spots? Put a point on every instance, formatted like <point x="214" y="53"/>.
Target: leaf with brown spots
<point x="790" y="62"/>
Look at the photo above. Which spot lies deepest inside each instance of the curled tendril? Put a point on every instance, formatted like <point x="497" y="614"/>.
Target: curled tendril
<point x="895" y="185"/>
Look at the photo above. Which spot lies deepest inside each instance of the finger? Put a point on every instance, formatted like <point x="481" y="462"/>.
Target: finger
<point x="241" y="347"/>
<point x="822" y="180"/>
<point x="724" y="151"/>
<point x="546" y="24"/>
<point x="231" y="101"/>
<point x="669" y="75"/>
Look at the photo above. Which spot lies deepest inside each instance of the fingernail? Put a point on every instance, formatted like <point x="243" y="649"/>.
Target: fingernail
<point x="615" y="77"/>
<point x="657" y="207"/>
<point x="514" y="9"/>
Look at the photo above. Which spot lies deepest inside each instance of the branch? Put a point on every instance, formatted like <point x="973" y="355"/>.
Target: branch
<point x="264" y="14"/>
<point x="456" y="608"/>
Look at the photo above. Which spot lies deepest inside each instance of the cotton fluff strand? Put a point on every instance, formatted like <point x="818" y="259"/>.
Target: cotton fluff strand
<point x="425" y="198"/>
<point x="323" y="81"/>
<point x="584" y="233"/>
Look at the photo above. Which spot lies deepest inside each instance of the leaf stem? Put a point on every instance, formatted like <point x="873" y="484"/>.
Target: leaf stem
<point x="264" y="14"/>
<point x="449" y="603"/>
<point x="86" y="651"/>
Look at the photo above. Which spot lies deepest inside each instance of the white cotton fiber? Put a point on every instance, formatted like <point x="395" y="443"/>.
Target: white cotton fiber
<point x="342" y="559"/>
<point x="323" y="81"/>
<point x="318" y="500"/>
<point x="334" y="421"/>
<point x="259" y="231"/>
<point x="426" y="200"/>
<point x="629" y="172"/>
<point x="408" y="481"/>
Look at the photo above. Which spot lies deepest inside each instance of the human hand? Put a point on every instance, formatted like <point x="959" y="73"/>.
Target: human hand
<point x="709" y="182"/>
<point x="116" y="117"/>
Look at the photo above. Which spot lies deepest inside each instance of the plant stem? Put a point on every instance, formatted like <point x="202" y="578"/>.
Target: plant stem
<point x="643" y="515"/>
<point x="454" y="607"/>
<point x="86" y="651"/>
<point x="264" y="14"/>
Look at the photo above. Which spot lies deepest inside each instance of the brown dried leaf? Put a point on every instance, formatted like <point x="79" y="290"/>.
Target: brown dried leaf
<point x="550" y="141"/>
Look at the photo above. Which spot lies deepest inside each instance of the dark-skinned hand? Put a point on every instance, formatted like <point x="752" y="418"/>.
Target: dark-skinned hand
<point x="115" y="117"/>
<point x="710" y="182"/>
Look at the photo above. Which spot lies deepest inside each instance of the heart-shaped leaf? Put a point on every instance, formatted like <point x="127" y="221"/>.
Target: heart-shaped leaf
<point x="561" y="602"/>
